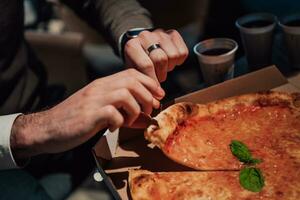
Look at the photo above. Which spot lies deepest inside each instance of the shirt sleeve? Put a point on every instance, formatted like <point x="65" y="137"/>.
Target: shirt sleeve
<point x="6" y="158"/>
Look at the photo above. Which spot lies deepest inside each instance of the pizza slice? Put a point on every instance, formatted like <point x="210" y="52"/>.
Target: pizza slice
<point x="145" y="185"/>
<point x="220" y="185"/>
<point x="198" y="135"/>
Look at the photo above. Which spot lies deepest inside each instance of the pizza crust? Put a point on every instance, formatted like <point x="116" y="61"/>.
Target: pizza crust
<point x="174" y="115"/>
<point x="189" y="185"/>
<point x="168" y="120"/>
<point x="146" y="185"/>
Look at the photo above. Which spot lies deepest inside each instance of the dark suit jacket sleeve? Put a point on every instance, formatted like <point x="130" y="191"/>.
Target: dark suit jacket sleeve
<point x="111" y="17"/>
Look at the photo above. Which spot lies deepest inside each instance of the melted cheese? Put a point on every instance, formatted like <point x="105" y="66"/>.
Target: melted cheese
<point x="271" y="133"/>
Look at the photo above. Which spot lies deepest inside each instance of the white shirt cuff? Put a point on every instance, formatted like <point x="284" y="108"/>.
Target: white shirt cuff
<point x="6" y="158"/>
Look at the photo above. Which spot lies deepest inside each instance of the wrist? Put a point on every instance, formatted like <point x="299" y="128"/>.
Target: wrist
<point x="25" y="136"/>
<point x="19" y="139"/>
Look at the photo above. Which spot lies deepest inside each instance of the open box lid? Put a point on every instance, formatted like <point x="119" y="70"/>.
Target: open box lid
<point x="107" y="147"/>
<point x="261" y="80"/>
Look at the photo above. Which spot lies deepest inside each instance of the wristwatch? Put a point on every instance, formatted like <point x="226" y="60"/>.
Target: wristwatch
<point x="130" y="34"/>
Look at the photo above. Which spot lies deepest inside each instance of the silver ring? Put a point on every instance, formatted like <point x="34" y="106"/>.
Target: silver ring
<point x="153" y="47"/>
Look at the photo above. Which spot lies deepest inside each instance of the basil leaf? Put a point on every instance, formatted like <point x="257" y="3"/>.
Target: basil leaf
<point x="254" y="161"/>
<point x="240" y="150"/>
<point x="252" y="179"/>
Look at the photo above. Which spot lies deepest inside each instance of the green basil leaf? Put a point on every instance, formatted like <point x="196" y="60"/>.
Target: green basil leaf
<point x="240" y="150"/>
<point x="252" y="179"/>
<point x="254" y="161"/>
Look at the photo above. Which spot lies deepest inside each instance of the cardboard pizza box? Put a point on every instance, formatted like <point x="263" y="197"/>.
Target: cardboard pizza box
<point x="125" y="149"/>
<point x="295" y="79"/>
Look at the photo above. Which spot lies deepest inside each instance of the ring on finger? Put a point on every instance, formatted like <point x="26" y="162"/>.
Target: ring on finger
<point x="153" y="47"/>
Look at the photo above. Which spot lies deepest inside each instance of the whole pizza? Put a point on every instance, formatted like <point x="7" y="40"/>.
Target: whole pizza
<point x="243" y="147"/>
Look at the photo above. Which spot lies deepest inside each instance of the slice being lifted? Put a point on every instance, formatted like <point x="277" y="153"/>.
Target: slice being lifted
<point x="198" y="135"/>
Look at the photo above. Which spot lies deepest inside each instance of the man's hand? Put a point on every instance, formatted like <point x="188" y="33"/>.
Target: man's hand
<point x="160" y="61"/>
<point x="112" y="102"/>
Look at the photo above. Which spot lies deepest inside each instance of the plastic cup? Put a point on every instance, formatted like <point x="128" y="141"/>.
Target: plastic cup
<point x="216" y="59"/>
<point x="257" y="36"/>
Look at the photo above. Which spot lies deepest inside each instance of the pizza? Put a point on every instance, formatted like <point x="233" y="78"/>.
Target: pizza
<point x="219" y="185"/>
<point x="198" y="135"/>
<point x="182" y="185"/>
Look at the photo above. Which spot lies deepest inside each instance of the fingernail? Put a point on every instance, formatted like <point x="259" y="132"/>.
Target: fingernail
<point x="161" y="92"/>
<point x="156" y="104"/>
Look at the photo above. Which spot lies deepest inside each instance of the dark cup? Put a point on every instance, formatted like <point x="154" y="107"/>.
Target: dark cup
<point x="290" y="26"/>
<point x="216" y="59"/>
<point x="257" y="36"/>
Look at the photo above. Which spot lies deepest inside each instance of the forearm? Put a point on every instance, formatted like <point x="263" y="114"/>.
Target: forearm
<point x="78" y="118"/>
<point x="28" y="134"/>
<point x="112" y="17"/>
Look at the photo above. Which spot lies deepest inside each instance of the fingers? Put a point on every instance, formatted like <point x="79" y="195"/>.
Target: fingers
<point x="151" y="85"/>
<point x="123" y="100"/>
<point x="130" y="91"/>
<point x="122" y="110"/>
<point x="158" y="57"/>
<point x="112" y="117"/>
<point x="144" y="97"/>
<point x="136" y="55"/>
<point x="180" y="44"/>
<point x="170" y="49"/>
<point x="159" y="61"/>
<point x="132" y="99"/>
<point x="129" y="78"/>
